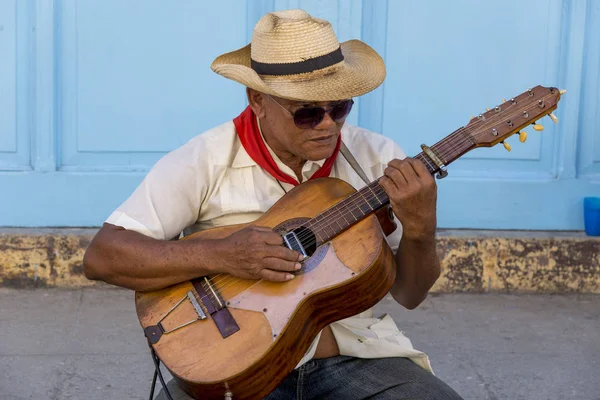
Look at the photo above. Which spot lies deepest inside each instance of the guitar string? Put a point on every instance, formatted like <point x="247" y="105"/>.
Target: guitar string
<point x="451" y="150"/>
<point x="197" y="295"/>
<point x="336" y="211"/>
<point x="224" y="282"/>
<point x="480" y="125"/>
<point x="227" y="281"/>
<point x="346" y="206"/>
<point x="375" y="191"/>
<point x="352" y="202"/>
<point x="488" y="123"/>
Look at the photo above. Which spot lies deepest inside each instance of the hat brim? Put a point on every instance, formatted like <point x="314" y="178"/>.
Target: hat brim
<point x="362" y="71"/>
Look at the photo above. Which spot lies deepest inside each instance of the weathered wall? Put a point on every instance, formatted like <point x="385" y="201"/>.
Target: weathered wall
<point x="525" y="262"/>
<point x="473" y="261"/>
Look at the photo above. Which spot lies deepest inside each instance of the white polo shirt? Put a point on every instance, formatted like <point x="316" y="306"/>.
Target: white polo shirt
<point x="212" y="181"/>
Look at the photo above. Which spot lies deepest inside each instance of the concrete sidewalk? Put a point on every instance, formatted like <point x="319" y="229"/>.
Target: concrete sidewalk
<point x="87" y="344"/>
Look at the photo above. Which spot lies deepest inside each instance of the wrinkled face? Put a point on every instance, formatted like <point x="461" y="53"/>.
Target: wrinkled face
<point x="314" y="142"/>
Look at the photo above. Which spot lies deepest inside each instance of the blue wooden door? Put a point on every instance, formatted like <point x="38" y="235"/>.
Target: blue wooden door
<point x="92" y="93"/>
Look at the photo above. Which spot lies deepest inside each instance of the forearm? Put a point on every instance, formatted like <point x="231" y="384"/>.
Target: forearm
<point x="129" y="259"/>
<point x="418" y="269"/>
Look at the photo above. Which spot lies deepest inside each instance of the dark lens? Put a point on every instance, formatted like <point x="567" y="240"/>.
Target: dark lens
<point x="308" y="117"/>
<point x="341" y="110"/>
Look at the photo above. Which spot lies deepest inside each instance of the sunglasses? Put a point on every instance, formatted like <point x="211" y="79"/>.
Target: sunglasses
<point x="309" y="117"/>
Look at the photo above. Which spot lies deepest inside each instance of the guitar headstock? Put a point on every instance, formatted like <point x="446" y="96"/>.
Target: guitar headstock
<point x="512" y="116"/>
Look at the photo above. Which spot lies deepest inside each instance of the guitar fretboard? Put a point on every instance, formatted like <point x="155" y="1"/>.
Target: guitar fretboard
<point x="372" y="197"/>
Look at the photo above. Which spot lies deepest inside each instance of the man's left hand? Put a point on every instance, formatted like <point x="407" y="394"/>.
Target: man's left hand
<point x="413" y="195"/>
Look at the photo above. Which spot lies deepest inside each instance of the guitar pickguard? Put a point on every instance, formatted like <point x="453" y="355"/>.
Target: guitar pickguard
<point x="278" y="301"/>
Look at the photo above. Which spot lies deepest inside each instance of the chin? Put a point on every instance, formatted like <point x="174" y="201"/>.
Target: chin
<point x="315" y="151"/>
<point x="317" y="155"/>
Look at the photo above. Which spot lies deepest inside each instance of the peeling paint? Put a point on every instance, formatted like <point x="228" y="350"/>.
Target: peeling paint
<point x="528" y="264"/>
<point x="51" y="260"/>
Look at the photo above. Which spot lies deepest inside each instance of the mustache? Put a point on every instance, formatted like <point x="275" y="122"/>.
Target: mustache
<point x="324" y="136"/>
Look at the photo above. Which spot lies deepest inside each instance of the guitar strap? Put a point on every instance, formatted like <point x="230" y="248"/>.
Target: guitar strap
<point x="353" y="163"/>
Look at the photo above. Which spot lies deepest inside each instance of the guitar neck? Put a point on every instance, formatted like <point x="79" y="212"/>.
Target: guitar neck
<point x="449" y="149"/>
<point x="486" y="130"/>
<point x="372" y="197"/>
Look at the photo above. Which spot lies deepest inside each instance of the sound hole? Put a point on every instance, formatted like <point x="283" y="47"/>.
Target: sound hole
<point x="307" y="238"/>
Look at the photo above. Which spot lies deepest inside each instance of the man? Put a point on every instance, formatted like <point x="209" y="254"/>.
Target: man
<point x="300" y="84"/>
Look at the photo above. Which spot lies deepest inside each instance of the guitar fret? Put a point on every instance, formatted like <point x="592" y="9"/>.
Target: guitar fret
<point x="352" y="208"/>
<point x="382" y="197"/>
<point x="319" y="237"/>
<point x="331" y="232"/>
<point x="363" y="203"/>
<point x="351" y="213"/>
<point x="430" y="167"/>
<point x="449" y="148"/>
<point x="345" y="220"/>
<point x="375" y="204"/>
<point x="338" y="223"/>
<point x="365" y="207"/>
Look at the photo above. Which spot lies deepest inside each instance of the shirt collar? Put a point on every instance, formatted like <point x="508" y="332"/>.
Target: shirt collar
<point x="242" y="159"/>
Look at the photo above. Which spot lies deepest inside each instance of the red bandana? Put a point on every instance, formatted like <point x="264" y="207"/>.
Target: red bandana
<point x="247" y="129"/>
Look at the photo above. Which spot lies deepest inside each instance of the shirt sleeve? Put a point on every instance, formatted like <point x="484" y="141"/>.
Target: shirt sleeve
<point x="169" y="198"/>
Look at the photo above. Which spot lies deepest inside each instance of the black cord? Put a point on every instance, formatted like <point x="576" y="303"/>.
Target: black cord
<point x="153" y="385"/>
<point x="281" y="186"/>
<point x="162" y="381"/>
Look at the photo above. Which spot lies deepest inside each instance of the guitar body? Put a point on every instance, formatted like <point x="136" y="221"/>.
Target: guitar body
<point x="277" y="321"/>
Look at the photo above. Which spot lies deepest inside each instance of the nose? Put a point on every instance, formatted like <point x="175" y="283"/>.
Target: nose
<point x="326" y="123"/>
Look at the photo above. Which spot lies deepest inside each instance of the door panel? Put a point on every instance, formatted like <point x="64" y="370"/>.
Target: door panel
<point x="93" y="94"/>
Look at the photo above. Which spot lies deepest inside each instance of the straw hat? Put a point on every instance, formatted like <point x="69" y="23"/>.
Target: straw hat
<point x="298" y="57"/>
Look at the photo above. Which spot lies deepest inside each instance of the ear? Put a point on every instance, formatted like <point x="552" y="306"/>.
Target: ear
<point x="256" y="101"/>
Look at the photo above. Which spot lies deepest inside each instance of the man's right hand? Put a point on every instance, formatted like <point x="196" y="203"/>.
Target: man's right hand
<point x="256" y="253"/>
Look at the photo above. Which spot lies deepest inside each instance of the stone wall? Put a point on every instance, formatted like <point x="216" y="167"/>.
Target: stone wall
<point x="472" y="261"/>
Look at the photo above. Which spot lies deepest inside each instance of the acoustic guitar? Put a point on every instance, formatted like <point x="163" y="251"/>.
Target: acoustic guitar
<point x="225" y="337"/>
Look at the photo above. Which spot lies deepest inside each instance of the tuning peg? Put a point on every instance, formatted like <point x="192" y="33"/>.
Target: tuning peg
<point x="487" y="109"/>
<point x="538" y="127"/>
<point x="553" y="118"/>
<point x="563" y="92"/>
<point x="522" y="136"/>
<point x="506" y="146"/>
<point x="504" y="100"/>
<point x="471" y="117"/>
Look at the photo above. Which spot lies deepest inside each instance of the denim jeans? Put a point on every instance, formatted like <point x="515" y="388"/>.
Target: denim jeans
<point x="352" y="378"/>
